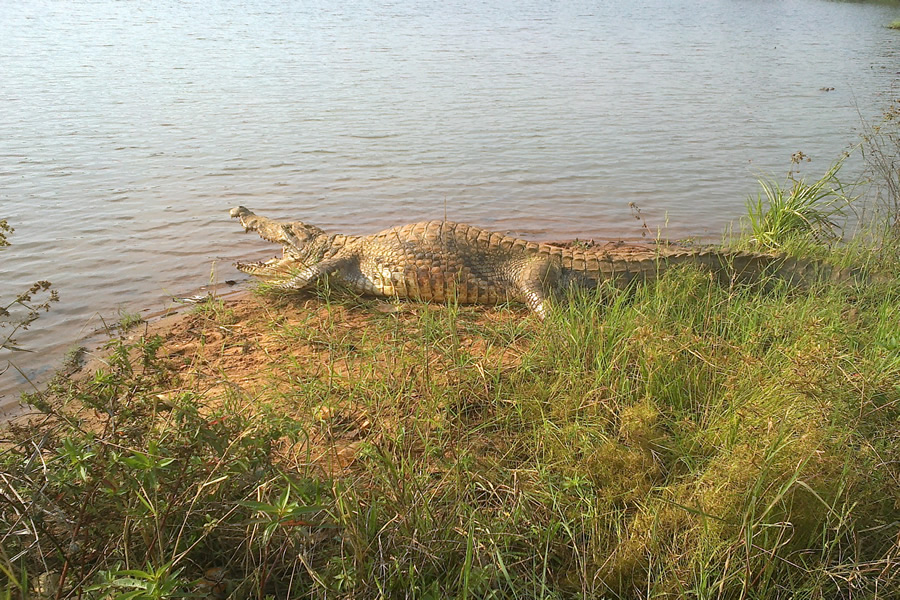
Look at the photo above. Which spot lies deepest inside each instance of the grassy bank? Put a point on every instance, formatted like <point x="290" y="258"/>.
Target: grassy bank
<point x="678" y="439"/>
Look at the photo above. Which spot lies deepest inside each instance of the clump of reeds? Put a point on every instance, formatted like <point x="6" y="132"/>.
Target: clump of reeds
<point x="881" y="150"/>
<point x="798" y="211"/>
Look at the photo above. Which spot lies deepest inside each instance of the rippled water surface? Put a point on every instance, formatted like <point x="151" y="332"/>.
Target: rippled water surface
<point x="127" y="129"/>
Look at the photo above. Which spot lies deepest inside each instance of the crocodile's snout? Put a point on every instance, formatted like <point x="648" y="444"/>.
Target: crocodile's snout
<point x="240" y="211"/>
<point x="248" y="219"/>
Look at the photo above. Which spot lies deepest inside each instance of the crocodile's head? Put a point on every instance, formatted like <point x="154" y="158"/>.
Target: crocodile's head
<point x="302" y="245"/>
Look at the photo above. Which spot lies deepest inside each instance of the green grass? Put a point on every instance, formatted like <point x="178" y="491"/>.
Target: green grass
<point x="128" y="320"/>
<point x="798" y="212"/>
<point x="674" y="440"/>
<point x="894" y="24"/>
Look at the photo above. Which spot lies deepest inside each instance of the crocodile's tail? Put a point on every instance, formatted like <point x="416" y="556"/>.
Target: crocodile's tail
<point x="753" y="268"/>
<point x="729" y="267"/>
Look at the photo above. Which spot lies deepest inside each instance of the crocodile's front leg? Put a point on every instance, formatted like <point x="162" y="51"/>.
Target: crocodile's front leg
<point x="534" y="282"/>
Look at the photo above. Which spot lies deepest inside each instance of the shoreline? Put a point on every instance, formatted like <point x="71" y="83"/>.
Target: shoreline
<point x="158" y="320"/>
<point x="93" y="345"/>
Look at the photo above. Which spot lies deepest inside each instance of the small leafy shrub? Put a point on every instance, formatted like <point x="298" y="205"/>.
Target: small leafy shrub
<point x="20" y="312"/>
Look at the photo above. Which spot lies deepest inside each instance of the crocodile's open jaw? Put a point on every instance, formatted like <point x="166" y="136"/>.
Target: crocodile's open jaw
<point x="276" y="267"/>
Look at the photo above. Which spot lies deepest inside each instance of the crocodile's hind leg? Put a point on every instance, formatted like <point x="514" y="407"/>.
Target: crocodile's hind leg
<point x="535" y="282"/>
<point x="336" y="266"/>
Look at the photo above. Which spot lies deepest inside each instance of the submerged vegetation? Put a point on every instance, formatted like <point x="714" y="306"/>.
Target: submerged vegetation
<point x="679" y="439"/>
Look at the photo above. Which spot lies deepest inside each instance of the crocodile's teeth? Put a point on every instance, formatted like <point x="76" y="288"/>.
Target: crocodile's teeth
<point x="258" y="267"/>
<point x="251" y="222"/>
<point x="250" y="268"/>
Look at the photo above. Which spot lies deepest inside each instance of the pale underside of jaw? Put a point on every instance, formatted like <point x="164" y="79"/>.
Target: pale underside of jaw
<point x="275" y="268"/>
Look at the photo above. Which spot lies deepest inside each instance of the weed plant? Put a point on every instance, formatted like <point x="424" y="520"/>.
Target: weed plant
<point x="881" y="150"/>
<point x="128" y="320"/>
<point x="18" y="313"/>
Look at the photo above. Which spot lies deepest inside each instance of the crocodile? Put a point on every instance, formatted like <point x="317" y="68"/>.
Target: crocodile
<point x="441" y="260"/>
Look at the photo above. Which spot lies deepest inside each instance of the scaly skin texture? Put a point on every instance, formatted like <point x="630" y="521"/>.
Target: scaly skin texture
<point x="440" y="260"/>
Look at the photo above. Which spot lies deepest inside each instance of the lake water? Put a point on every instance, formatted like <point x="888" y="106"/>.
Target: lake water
<point x="128" y="129"/>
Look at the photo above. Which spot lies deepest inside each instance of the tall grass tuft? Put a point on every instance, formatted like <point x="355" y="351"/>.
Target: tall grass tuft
<point x="881" y="150"/>
<point x="797" y="211"/>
